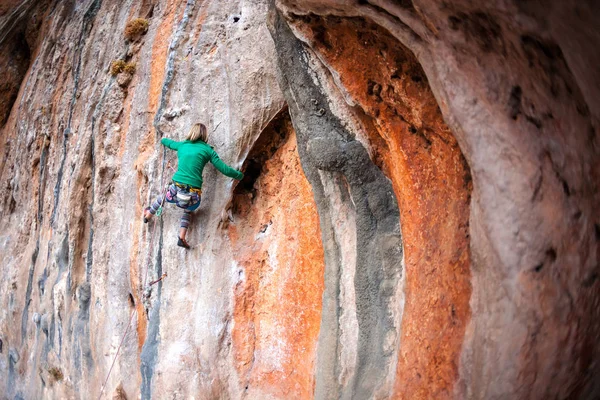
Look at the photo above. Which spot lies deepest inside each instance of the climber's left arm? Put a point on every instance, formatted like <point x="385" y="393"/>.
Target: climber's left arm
<point x="172" y="144"/>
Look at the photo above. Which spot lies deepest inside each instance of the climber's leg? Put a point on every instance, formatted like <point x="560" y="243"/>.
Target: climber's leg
<point x="158" y="202"/>
<point x="186" y="217"/>
<point x="150" y="211"/>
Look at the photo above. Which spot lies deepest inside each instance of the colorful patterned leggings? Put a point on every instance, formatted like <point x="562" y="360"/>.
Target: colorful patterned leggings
<point x="171" y="197"/>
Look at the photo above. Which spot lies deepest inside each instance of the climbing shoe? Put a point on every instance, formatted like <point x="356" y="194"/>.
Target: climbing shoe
<point x="182" y="243"/>
<point x="146" y="219"/>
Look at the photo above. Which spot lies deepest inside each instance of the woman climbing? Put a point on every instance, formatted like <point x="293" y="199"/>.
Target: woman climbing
<point x="185" y="190"/>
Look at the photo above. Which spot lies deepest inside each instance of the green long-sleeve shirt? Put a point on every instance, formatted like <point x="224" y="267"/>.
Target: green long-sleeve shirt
<point x="192" y="157"/>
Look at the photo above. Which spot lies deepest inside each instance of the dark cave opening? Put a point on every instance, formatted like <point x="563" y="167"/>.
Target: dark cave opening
<point x="14" y="62"/>
<point x="269" y="140"/>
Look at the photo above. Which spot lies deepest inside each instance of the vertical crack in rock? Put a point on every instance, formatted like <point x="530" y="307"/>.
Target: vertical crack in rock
<point x="77" y="287"/>
<point x="63" y="261"/>
<point x="90" y="255"/>
<point x="48" y="322"/>
<point x="34" y="257"/>
<point x="170" y="68"/>
<point x="25" y="315"/>
<point x="149" y="353"/>
<point x="13" y="358"/>
<point x="83" y="361"/>
<point x="88" y="20"/>
<point x="89" y="261"/>
<point x="325" y="148"/>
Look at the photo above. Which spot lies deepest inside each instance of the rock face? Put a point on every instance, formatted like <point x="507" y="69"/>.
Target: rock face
<point x="418" y="218"/>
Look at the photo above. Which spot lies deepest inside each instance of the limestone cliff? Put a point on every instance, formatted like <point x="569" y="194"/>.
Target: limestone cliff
<point x="419" y="216"/>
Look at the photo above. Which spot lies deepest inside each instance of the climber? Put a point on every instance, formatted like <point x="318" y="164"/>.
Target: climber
<point x="185" y="190"/>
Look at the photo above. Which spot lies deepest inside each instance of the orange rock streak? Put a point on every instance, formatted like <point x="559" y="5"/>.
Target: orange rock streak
<point x="411" y="143"/>
<point x="277" y="242"/>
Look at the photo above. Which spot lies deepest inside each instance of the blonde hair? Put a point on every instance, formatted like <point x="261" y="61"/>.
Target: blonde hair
<point x="198" y="132"/>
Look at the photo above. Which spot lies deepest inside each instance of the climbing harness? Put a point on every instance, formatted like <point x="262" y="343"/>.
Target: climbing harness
<point x="188" y="188"/>
<point x="185" y="195"/>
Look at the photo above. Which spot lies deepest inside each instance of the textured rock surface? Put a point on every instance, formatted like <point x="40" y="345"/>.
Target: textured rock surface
<point x="517" y="93"/>
<point x="419" y="216"/>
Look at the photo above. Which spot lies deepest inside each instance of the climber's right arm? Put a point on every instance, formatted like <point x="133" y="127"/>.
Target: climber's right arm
<point x="172" y="144"/>
<point x="224" y="168"/>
